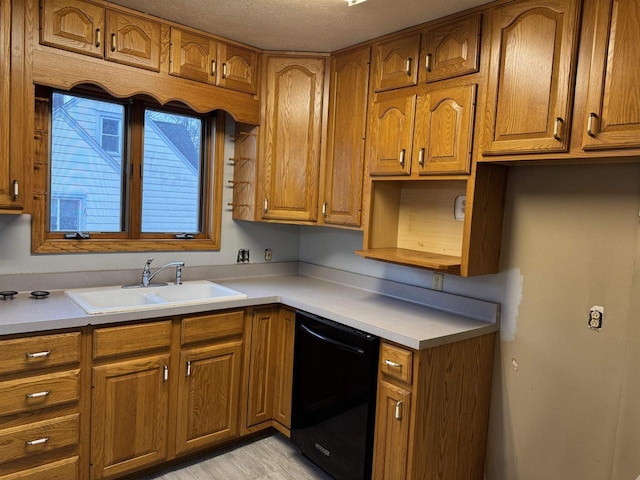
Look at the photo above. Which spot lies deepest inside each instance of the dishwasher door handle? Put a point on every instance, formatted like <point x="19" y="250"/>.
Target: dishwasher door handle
<point x="336" y="343"/>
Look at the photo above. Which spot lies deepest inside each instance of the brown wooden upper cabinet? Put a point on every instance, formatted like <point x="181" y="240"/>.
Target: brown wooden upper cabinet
<point x="90" y="29"/>
<point x="291" y="134"/>
<point x="531" y="77"/>
<point x="395" y="62"/>
<point x="391" y="133"/>
<point x="452" y="49"/>
<point x="344" y="166"/>
<point x="428" y="134"/>
<point x="10" y="195"/>
<point x="612" y="114"/>
<point x="204" y="59"/>
<point x="444" y="130"/>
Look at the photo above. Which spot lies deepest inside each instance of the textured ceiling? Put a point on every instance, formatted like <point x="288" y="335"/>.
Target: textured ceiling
<point x="301" y="25"/>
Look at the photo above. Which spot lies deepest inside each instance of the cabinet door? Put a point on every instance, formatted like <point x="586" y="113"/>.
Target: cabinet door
<point x="133" y="41"/>
<point x="530" y="85"/>
<point x="391" y="134"/>
<point x="444" y="130"/>
<point x="208" y="395"/>
<point x="613" y="102"/>
<point x="129" y="415"/>
<point x="238" y="68"/>
<point x="73" y="25"/>
<point x="391" y="445"/>
<point x="8" y="177"/>
<point x="193" y="56"/>
<point x="261" y="367"/>
<point x="292" y="133"/>
<point x="452" y="49"/>
<point x="395" y="62"/>
<point x="283" y="341"/>
<point x="345" y="151"/>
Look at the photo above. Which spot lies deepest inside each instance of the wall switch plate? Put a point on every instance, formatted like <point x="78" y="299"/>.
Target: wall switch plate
<point x="459" y="206"/>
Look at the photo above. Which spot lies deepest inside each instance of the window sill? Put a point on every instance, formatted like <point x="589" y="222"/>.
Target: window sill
<point x="52" y="246"/>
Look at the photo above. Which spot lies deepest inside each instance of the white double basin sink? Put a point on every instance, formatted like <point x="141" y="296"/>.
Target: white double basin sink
<point x="118" y="299"/>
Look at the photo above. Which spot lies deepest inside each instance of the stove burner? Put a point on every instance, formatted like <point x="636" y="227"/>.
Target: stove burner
<point x="8" y="294"/>
<point x="39" y="294"/>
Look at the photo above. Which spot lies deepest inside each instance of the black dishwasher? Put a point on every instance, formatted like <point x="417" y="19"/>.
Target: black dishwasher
<point x="334" y="396"/>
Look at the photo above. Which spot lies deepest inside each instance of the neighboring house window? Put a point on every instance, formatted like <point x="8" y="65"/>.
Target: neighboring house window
<point x="66" y="214"/>
<point x="143" y="189"/>
<point x="110" y="135"/>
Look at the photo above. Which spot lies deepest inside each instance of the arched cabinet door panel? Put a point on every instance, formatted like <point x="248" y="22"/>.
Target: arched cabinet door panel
<point x="531" y="78"/>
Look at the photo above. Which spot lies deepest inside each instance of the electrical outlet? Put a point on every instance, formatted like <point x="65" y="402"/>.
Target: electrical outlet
<point x="436" y="281"/>
<point x="267" y="254"/>
<point x="243" y="256"/>
<point x="596" y="316"/>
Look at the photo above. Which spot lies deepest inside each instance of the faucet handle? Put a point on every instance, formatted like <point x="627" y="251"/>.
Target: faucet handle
<point x="148" y="264"/>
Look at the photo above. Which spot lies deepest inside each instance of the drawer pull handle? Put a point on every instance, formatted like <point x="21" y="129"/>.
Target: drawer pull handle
<point x="392" y="364"/>
<point x="39" y="354"/>
<point x="39" y="441"/>
<point x="398" y="410"/>
<point x="38" y="394"/>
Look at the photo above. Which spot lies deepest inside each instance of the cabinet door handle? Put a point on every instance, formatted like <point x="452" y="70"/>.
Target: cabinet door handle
<point x="427" y="62"/>
<point x="39" y="354"/>
<point x="398" y="410"/>
<point x="165" y="375"/>
<point x="407" y="66"/>
<point x="590" y="121"/>
<point x="39" y="441"/>
<point x="213" y="68"/>
<point x="113" y="42"/>
<point x="98" y="37"/>
<point x="392" y="364"/>
<point x="421" y="157"/>
<point x="188" y="368"/>
<point x="16" y="189"/>
<point x="266" y="205"/>
<point x="557" y="127"/>
<point x="38" y="394"/>
<point x="324" y="209"/>
<point x="224" y="70"/>
<point x="402" y="153"/>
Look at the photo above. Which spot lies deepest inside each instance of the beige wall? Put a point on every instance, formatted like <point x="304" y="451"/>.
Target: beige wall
<point x="565" y="401"/>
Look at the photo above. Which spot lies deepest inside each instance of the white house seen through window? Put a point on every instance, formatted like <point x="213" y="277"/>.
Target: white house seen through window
<point x="91" y="157"/>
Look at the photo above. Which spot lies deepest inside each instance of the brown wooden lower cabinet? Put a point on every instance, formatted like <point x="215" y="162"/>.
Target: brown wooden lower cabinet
<point x="393" y="420"/>
<point x="270" y="370"/>
<point x="208" y="395"/>
<point x="197" y="381"/>
<point x="432" y="423"/>
<point x="42" y="420"/>
<point x="130" y="407"/>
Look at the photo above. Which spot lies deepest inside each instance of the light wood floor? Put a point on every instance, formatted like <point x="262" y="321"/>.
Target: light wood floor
<point x="270" y="458"/>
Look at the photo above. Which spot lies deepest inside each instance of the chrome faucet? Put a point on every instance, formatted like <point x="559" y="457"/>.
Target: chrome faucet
<point x="147" y="276"/>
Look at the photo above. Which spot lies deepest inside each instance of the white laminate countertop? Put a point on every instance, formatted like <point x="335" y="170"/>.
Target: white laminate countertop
<point x="408" y="323"/>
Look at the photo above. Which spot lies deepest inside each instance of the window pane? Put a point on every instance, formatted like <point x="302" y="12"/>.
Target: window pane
<point x="171" y="189"/>
<point x="82" y="168"/>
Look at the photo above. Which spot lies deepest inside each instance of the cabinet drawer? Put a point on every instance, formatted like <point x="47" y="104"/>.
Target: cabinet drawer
<point x="23" y="354"/>
<point x="207" y="327"/>
<point x="111" y="341"/>
<point x="33" y="393"/>
<point x="39" y="437"/>
<point x="396" y="362"/>
<point x="66" y="469"/>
